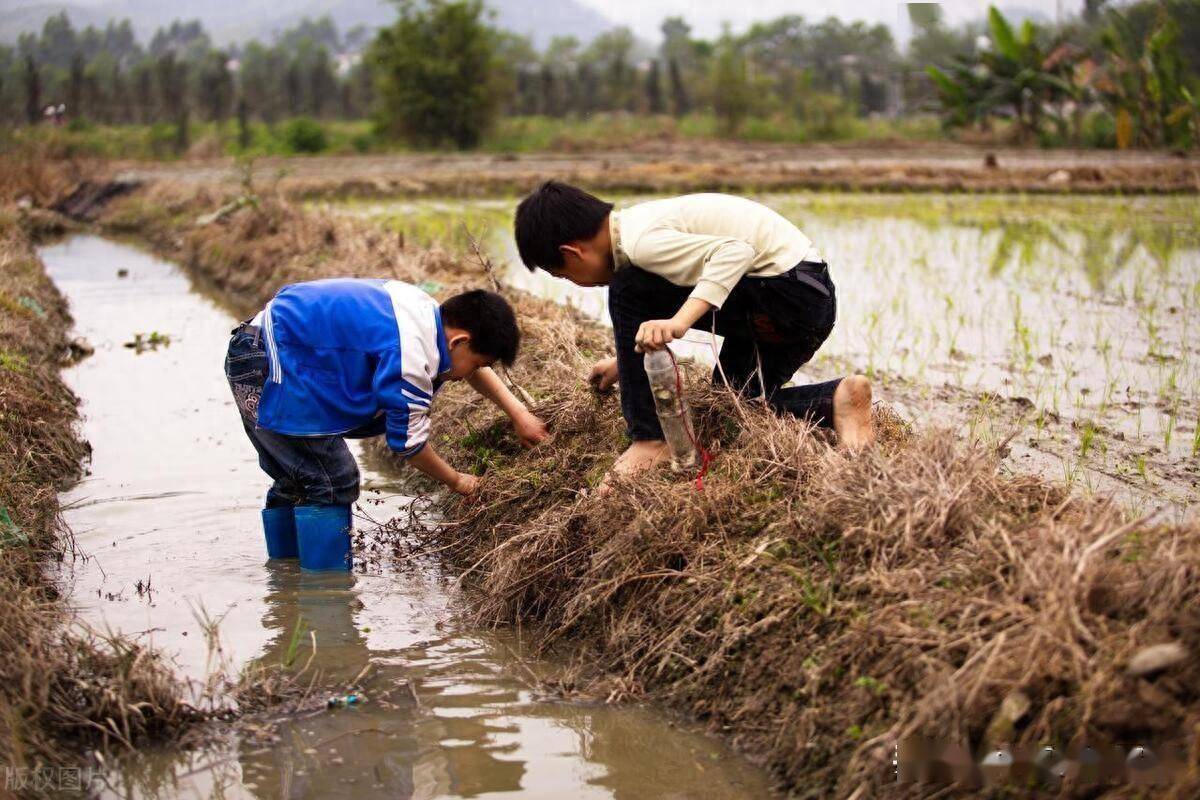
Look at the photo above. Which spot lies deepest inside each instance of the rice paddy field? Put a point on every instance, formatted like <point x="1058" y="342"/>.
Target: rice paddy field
<point x="1060" y="329"/>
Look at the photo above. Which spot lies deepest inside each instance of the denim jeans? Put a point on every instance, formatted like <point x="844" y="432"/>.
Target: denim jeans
<point x="779" y="322"/>
<point x="307" y="470"/>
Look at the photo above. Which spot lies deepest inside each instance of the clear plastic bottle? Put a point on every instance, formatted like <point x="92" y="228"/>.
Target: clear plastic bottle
<point x="672" y="409"/>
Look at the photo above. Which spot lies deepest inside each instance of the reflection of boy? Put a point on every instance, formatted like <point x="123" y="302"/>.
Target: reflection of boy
<point x="336" y="359"/>
<point x="705" y="261"/>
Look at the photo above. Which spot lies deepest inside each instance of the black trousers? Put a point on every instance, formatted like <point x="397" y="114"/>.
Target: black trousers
<point x="306" y="470"/>
<point x="780" y="321"/>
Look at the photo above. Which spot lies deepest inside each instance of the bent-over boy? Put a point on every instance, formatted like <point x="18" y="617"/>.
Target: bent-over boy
<point x="340" y="359"/>
<point x="713" y="262"/>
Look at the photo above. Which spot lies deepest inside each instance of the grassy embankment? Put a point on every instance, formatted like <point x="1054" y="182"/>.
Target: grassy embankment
<point x="84" y="139"/>
<point x="62" y="688"/>
<point x="813" y="607"/>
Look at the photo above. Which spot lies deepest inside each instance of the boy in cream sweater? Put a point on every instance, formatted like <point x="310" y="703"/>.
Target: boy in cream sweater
<point x="712" y="262"/>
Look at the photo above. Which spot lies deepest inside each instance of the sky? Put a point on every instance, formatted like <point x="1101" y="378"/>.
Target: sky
<point x="706" y="16"/>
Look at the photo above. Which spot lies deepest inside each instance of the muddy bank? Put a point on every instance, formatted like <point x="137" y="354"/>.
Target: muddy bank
<point x="63" y="688"/>
<point x="715" y="166"/>
<point x="812" y="607"/>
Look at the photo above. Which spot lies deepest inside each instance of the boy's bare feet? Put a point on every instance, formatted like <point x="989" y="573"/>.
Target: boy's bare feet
<point x="639" y="457"/>
<point x="852" y="413"/>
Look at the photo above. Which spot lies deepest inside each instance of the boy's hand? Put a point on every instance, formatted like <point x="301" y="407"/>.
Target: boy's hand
<point x="604" y="374"/>
<point x="656" y="334"/>
<point x="529" y="428"/>
<point x="465" y="484"/>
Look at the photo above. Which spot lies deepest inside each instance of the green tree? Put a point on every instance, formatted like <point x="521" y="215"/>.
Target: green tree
<point x="215" y="86"/>
<point x="730" y="86"/>
<point x="75" y="87"/>
<point x="654" y="97"/>
<point x="322" y="83"/>
<point x="609" y="55"/>
<point x="440" y="80"/>
<point x="678" y="51"/>
<point x="681" y="104"/>
<point x="260" y="81"/>
<point x="33" y="91"/>
<point x="560" y="63"/>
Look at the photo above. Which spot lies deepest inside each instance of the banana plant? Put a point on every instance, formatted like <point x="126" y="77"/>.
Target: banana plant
<point x="1144" y="83"/>
<point x="1017" y="77"/>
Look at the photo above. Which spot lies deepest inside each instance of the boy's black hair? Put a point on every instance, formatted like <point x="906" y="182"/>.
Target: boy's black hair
<point x="489" y="319"/>
<point x="553" y="215"/>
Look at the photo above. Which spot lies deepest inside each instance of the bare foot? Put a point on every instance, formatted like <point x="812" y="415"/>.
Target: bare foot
<point x="852" y="413"/>
<point x="639" y="457"/>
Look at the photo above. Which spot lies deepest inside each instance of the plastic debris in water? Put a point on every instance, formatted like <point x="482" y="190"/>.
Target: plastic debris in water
<point x="10" y="532"/>
<point x="343" y="701"/>
<point x="671" y="406"/>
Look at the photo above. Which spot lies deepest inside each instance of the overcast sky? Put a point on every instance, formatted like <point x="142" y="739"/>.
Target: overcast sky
<point x="706" y="16"/>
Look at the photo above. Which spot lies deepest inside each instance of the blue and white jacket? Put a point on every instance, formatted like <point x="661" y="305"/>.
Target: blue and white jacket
<point x="344" y="351"/>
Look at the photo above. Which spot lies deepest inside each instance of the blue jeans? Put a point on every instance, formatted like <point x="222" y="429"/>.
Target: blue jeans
<point x="777" y="322"/>
<point x="307" y="470"/>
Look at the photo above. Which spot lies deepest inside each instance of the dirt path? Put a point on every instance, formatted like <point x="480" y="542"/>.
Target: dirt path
<point x="711" y="165"/>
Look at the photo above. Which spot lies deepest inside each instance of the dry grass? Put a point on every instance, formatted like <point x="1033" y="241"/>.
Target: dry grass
<point x="812" y="606"/>
<point x="33" y="178"/>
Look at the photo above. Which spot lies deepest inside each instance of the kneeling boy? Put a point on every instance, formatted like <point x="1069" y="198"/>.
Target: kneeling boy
<point x="341" y="359"/>
<point x="704" y="261"/>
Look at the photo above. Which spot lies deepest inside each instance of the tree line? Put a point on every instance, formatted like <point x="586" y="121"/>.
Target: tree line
<point x="442" y="73"/>
<point x="106" y="75"/>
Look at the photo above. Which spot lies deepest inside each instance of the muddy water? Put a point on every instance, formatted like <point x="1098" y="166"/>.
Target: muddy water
<point x="168" y="519"/>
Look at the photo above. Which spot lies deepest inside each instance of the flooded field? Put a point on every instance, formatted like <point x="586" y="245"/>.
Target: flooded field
<point x="167" y="520"/>
<point x="1064" y="329"/>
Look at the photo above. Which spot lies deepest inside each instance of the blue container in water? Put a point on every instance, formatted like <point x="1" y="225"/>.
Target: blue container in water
<point x="279" y="527"/>
<point x="324" y="536"/>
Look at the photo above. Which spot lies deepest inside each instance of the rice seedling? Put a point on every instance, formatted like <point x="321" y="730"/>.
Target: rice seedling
<point x="1086" y="437"/>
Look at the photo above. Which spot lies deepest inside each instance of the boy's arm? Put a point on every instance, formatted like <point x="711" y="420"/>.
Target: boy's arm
<point x="405" y="400"/>
<point x="530" y="430"/>
<point x="656" y="334"/>
<point x="723" y="262"/>
<point x="428" y="461"/>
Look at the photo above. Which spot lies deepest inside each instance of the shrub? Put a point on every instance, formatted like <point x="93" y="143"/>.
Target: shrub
<point x="304" y="135"/>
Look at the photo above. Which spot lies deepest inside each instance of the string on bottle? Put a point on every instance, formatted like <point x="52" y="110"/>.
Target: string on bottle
<point x="705" y="456"/>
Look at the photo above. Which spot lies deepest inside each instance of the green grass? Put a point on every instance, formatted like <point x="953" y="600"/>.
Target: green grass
<point x="600" y="131"/>
<point x="511" y="135"/>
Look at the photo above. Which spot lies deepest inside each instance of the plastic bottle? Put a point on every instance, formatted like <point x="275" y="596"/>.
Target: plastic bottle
<point x="672" y="408"/>
<point x="343" y="701"/>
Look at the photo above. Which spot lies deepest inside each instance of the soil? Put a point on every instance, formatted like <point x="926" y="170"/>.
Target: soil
<point x="693" y="166"/>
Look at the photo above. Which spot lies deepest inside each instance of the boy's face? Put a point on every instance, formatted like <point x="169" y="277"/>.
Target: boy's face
<point x="585" y="264"/>
<point x="463" y="360"/>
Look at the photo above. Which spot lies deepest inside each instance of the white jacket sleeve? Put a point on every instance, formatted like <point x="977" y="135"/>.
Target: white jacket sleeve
<point x="723" y="260"/>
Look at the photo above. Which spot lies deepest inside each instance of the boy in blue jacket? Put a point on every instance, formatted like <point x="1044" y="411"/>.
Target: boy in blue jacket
<point x="340" y="359"/>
